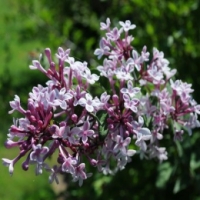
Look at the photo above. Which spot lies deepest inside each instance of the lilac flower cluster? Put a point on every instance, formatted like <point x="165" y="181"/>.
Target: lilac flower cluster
<point x="130" y="117"/>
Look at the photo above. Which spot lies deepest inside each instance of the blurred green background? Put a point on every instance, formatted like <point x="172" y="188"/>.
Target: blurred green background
<point x="27" y="27"/>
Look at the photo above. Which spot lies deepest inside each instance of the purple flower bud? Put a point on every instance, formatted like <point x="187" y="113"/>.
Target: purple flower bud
<point x="115" y="99"/>
<point x="111" y="111"/>
<point x="25" y="164"/>
<point x="10" y="144"/>
<point x="74" y="118"/>
<point x="48" y="54"/>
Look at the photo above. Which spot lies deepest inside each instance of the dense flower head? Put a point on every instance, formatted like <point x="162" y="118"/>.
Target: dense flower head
<point x="65" y="118"/>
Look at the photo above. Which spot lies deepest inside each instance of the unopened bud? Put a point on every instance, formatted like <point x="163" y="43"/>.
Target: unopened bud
<point x="93" y="162"/>
<point x="25" y="164"/>
<point x="48" y="54"/>
<point x="74" y="118"/>
<point x="110" y="111"/>
<point x="115" y="99"/>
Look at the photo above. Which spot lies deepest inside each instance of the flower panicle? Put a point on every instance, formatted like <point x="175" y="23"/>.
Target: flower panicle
<point x="65" y="118"/>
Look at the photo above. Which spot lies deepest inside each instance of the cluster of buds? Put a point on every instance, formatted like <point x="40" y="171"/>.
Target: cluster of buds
<point x="130" y="117"/>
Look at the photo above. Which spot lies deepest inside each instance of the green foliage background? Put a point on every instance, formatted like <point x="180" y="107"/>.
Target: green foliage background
<point x="27" y="27"/>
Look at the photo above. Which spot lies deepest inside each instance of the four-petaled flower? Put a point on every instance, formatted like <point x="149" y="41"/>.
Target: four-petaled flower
<point x="121" y="145"/>
<point x="80" y="174"/>
<point x="62" y="54"/>
<point x="72" y="135"/>
<point x="113" y="35"/>
<point x="88" y="102"/>
<point x="62" y="97"/>
<point x="130" y="90"/>
<point x="38" y="153"/>
<point x="130" y="103"/>
<point x="69" y="165"/>
<point x="127" y="25"/>
<point x="86" y="132"/>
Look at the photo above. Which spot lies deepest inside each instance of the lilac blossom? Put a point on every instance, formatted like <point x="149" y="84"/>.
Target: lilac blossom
<point x="105" y="26"/>
<point x="37" y="65"/>
<point x="15" y="105"/>
<point x="121" y="144"/>
<point x="108" y="123"/>
<point x="86" y="132"/>
<point x="62" y="98"/>
<point x="80" y="174"/>
<point x="130" y="103"/>
<point x="53" y="176"/>
<point x="158" y="152"/>
<point x="127" y="25"/>
<point x="90" y="78"/>
<point x="69" y="165"/>
<point x="104" y="48"/>
<point x="104" y="98"/>
<point x="108" y="68"/>
<point x="130" y="90"/>
<point x="142" y="134"/>
<point x="62" y="54"/>
<point x="72" y="135"/>
<point x="38" y="152"/>
<point x="8" y="163"/>
<point x="56" y="131"/>
<point x="88" y="102"/>
<point x="122" y="74"/>
<point x="183" y="90"/>
<point x="113" y="35"/>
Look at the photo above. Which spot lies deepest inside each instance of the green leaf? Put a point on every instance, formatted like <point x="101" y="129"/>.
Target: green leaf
<point x="103" y="130"/>
<point x="101" y="116"/>
<point x="194" y="164"/>
<point x="165" y="170"/>
<point x="177" y="187"/>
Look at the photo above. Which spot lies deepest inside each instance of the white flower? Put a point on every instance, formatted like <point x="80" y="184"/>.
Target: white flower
<point x="127" y="25"/>
<point x="121" y="74"/>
